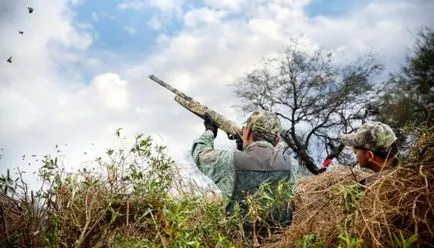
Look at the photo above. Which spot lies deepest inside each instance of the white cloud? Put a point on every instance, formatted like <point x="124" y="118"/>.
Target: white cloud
<point x="233" y="5"/>
<point x="92" y="63"/>
<point x="165" y="6"/>
<point x="132" y="31"/>
<point x="111" y="90"/>
<point x="155" y="23"/>
<point x="40" y="107"/>
<point x="383" y="26"/>
<point x="204" y="16"/>
<point x="76" y="2"/>
<point x="132" y="4"/>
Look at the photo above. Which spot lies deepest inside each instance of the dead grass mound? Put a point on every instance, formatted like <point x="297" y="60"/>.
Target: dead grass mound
<point x="394" y="210"/>
<point x="19" y="223"/>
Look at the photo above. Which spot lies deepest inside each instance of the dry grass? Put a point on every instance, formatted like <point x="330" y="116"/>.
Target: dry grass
<point x="319" y="207"/>
<point x="337" y="210"/>
<point x="12" y="217"/>
<point x="331" y="210"/>
<point x="123" y="200"/>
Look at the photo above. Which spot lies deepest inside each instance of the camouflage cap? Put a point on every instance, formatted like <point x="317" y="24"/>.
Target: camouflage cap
<point x="375" y="136"/>
<point x="264" y="122"/>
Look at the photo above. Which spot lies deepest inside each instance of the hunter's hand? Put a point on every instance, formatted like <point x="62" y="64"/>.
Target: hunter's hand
<point x="210" y="124"/>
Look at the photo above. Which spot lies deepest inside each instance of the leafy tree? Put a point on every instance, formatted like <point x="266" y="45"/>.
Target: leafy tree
<point x="409" y="95"/>
<point x="315" y="97"/>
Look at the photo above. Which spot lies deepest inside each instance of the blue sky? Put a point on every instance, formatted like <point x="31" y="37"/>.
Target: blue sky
<point x="80" y="69"/>
<point x="124" y="31"/>
<point x="127" y="33"/>
<point x="333" y="8"/>
<point x="111" y="24"/>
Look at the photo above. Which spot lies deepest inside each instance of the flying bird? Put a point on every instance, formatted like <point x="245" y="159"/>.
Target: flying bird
<point x="21" y="32"/>
<point x="9" y="59"/>
<point x="30" y="10"/>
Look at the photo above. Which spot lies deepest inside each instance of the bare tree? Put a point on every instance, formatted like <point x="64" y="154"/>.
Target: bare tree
<point x="316" y="98"/>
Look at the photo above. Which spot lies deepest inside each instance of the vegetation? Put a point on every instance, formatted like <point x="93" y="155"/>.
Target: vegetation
<point x="409" y="94"/>
<point x="395" y="210"/>
<point x="127" y="200"/>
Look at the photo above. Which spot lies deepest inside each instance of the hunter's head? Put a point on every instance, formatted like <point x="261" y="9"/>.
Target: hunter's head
<point x="262" y="125"/>
<point x="374" y="145"/>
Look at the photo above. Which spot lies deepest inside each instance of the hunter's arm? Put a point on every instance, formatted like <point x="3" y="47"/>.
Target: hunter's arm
<point x="216" y="164"/>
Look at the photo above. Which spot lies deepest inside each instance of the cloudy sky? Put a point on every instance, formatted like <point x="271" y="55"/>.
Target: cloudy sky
<point x="79" y="71"/>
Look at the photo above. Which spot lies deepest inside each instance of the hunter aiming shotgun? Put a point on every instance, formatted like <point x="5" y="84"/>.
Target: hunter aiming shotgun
<point x="231" y="128"/>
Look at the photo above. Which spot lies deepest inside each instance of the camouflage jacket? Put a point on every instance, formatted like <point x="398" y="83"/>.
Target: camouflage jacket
<point x="215" y="164"/>
<point x="220" y="165"/>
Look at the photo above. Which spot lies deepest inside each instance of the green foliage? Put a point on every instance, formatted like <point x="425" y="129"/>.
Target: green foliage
<point x="402" y="242"/>
<point x="131" y="242"/>
<point x="267" y="209"/>
<point x="269" y="201"/>
<point x="125" y="199"/>
<point x="6" y="183"/>
<point x="310" y="241"/>
<point x="408" y="98"/>
<point x="348" y="241"/>
<point x="351" y="193"/>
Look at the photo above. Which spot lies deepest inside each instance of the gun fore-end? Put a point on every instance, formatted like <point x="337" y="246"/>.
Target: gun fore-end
<point x="200" y="110"/>
<point x="230" y="127"/>
<point x="193" y="106"/>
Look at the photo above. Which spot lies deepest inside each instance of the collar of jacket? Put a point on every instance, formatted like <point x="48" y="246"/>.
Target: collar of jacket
<point x="260" y="143"/>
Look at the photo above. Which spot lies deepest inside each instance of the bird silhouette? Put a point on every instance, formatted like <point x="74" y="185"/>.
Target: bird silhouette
<point x="21" y="32"/>
<point x="30" y="10"/>
<point x="9" y="59"/>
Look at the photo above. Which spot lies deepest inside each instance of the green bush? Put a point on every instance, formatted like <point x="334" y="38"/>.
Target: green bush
<point x="125" y="200"/>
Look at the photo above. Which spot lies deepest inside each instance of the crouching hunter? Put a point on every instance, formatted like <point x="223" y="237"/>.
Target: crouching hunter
<point x="238" y="173"/>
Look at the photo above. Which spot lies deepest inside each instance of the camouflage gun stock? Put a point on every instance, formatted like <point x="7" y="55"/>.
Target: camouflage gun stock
<point x="231" y="128"/>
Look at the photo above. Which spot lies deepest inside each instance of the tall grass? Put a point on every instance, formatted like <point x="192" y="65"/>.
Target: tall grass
<point x="125" y="200"/>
